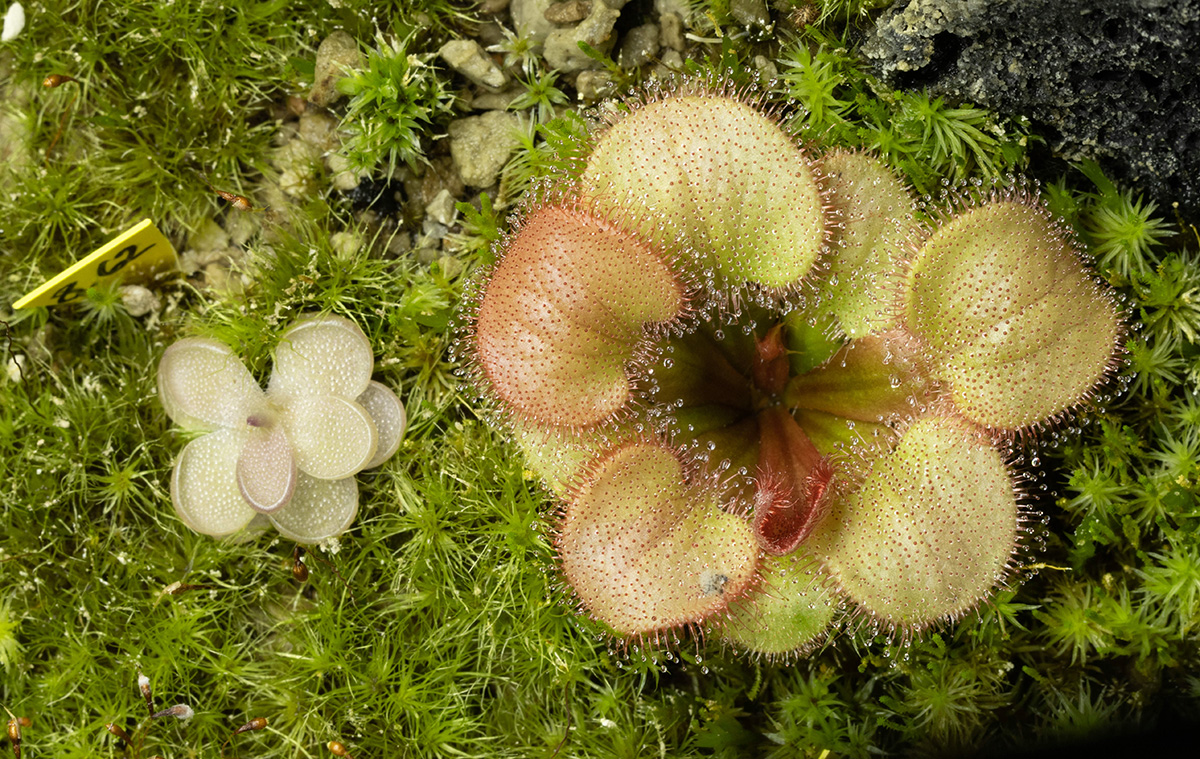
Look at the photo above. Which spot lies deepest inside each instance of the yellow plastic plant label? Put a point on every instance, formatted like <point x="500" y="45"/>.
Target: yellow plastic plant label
<point x="138" y="253"/>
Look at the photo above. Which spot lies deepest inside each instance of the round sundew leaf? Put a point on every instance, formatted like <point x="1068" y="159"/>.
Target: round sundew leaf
<point x="644" y="551"/>
<point x="323" y="354"/>
<point x="720" y="173"/>
<point x="1015" y="326"/>
<point x="332" y="437"/>
<point x="204" y="486"/>
<point x="319" y="509"/>
<point x="564" y="311"/>
<point x="788" y="611"/>
<point x="266" y="469"/>
<point x="387" y="413"/>
<point x="931" y="530"/>
<point x="203" y="385"/>
<point x="878" y="227"/>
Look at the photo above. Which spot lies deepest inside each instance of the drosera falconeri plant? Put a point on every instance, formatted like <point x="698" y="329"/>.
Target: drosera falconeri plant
<point x="767" y="384"/>
<point x="286" y="456"/>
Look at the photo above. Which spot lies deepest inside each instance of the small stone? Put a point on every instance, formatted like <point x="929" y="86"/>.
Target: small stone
<point x="432" y="234"/>
<point x="428" y="255"/>
<point x="282" y="215"/>
<point x="529" y="18"/>
<point x="492" y="7"/>
<point x="286" y="132"/>
<point x="570" y="12"/>
<point x="345" y="178"/>
<point x="681" y="8"/>
<point x="400" y="242"/>
<point x="345" y="244"/>
<point x="594" y="85"/>
<point x="562" y="46"/>
<point x="15" y="138"/>
<point x="672" y="60"/>
<point x="639" y="46"/>
<point x="139" y="300"/>
<point x="441" y="209"/>
<point x="490" y="33"/>
<point x="481" y="145"/>
<point x="451" y="266"/>
<point x="14" y="22"/>
<point x="440" y="174"/>
<point x="319" y="130"/>
<point x="671" y="31"/>
<point x="217" y="277"/>
<point x="337" y="55"/>
<point x="15" y="368"/>
<point x="196" y="259"/>
<point x="209" y="235"/>
<point x="750" y="13"/>
<point x="240" y="227"/>
<point x="767" y="70"/>
<point x="496" y="101"/>
<point x="297" y="163"/>
<point x="469" y="59"/>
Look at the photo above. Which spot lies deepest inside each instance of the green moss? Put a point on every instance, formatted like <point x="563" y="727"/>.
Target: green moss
<point x="436" y="627"/>
<point x="395" y="99"/>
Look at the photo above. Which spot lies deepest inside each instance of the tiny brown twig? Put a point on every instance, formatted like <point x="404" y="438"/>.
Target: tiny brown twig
<point x="567" y="730"/>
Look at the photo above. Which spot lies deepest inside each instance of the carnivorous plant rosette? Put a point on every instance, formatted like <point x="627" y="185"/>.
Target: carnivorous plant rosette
<point x="765" y="385"/>
<point x="286" y="456"/>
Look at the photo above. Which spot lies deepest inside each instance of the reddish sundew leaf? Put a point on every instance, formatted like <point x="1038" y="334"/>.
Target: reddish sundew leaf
<point x="645" y="549"/>
<point x="563" y="313"/>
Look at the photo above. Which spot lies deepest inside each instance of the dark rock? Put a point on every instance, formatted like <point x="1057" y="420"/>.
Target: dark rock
<point x="385" y="197"/>
<point x="1113" y="80"/>
<point x="639" y="46"/>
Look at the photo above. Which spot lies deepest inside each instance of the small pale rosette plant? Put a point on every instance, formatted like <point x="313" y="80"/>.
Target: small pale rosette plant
<point x="766" y="385"/>
<point x="288" y="456"/>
